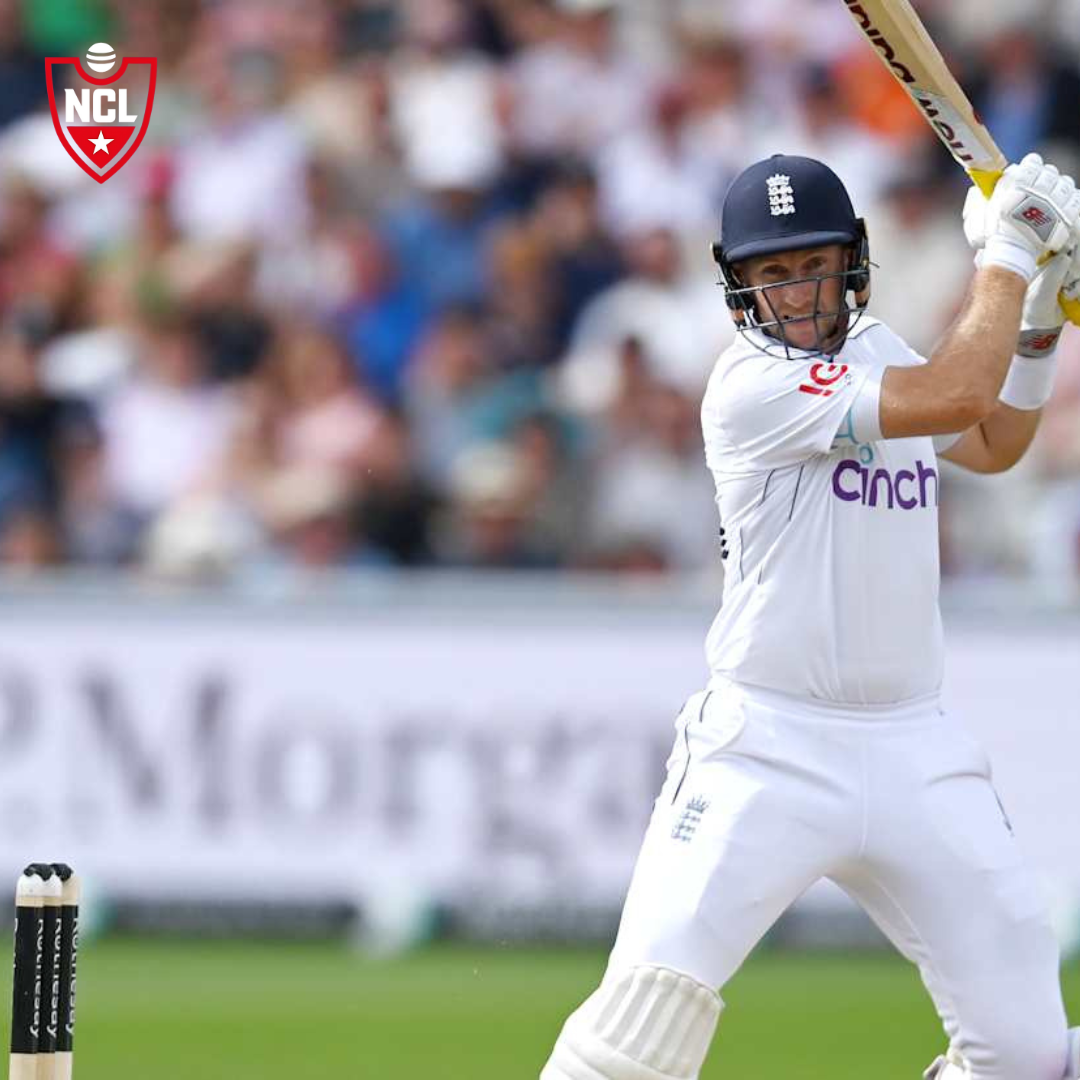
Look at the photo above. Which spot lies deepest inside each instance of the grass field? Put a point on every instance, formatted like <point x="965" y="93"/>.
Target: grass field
<point x="229" y="1011"/>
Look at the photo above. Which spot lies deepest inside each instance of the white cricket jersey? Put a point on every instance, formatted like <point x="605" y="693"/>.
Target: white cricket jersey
<point x="831" y="583"/>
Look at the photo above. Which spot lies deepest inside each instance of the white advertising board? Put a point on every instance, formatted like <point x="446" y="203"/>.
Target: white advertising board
<point x="205" y="755"/>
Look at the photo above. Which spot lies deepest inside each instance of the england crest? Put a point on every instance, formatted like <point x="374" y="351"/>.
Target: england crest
<point x="101" y="116"/>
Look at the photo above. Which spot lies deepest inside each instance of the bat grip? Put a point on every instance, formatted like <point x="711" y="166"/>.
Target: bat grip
<point x="985" y="179"/>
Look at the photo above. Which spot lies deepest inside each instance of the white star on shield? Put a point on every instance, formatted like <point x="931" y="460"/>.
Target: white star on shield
<point x="101" y="144"/>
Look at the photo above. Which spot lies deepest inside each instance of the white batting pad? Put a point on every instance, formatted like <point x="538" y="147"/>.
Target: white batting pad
<point x="642" y="1023"/>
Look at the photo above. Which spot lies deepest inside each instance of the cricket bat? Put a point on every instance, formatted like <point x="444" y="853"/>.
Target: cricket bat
<point x="895" y="30"/>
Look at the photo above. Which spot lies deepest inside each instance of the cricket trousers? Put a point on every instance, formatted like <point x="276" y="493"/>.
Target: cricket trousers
<point x="765" y="794"/>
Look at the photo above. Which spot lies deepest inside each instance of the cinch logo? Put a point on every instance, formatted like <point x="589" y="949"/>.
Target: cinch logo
<point x="101" y="121"/>
<point x="853" y="482"/>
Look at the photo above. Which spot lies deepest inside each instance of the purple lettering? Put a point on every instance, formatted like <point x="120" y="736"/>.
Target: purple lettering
<point x="838" y="489"/>
<point x="925" y="474"/>
<point x="908" y="503"/>
<point x="881" y="474"/>
<point x="869" y="488"/>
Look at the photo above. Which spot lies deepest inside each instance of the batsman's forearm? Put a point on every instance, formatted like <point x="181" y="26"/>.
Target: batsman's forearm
<point x="1008" y="433"/>
<point x="970" y="362"/>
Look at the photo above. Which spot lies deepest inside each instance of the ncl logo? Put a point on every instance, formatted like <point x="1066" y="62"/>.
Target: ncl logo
<point x="100" y="115"/>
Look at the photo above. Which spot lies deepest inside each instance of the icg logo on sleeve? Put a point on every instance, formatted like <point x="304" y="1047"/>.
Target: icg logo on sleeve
<point x="823" y="379"/>
<point x="101" y="116"/>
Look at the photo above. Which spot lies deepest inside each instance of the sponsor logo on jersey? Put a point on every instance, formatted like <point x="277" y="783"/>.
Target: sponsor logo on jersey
<point x="901" y="490"/>
<point x="823" y="379"/>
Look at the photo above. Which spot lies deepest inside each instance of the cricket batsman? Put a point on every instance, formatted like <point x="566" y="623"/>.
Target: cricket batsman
<point x="819" y="748"/>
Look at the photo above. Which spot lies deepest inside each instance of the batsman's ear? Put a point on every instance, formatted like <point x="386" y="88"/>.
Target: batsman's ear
<point x="859" y="278"/>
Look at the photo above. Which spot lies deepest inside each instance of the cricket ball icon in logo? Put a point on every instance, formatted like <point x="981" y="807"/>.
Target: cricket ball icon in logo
<point x="101" y="115"/>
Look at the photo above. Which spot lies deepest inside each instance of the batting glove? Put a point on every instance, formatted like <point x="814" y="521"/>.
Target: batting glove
<point x="1056" y="282"/>
<point x="1034" y="211"/>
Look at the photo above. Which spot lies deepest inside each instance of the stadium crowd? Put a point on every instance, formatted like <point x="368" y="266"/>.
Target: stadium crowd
<point x="426" y="282"/>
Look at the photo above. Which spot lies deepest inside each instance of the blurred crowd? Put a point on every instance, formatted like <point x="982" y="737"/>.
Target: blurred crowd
<point x="427" y="283"/>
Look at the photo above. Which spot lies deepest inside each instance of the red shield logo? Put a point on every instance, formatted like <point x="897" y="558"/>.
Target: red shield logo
<point x="102" y="117"/>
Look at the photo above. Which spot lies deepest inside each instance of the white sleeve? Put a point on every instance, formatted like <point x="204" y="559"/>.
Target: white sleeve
<point x="781" y="413"/>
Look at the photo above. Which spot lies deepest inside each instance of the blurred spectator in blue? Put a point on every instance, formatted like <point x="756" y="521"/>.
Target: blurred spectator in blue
<point x="443" y="110"/>
<point x="585" y="260"/>
<point x="457" y="395"/>
<point x="438" y="240"/>
<point x="1029" y="93"/>
<point x="22" y="80"/>
<point x="385" y="319"/>
<point x="36" y="425"/>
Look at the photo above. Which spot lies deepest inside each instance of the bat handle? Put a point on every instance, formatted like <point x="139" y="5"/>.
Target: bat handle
<point x="986" y="180"/>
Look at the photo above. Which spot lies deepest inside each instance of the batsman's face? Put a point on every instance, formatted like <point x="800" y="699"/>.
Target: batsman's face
<point x="794" y="289"/>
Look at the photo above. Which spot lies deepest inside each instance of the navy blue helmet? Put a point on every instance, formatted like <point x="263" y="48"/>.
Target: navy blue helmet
<point x="788" y="203"/>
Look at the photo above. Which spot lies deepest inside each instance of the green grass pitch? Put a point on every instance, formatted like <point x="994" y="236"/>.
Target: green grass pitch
<point x="240" y="1011"/>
